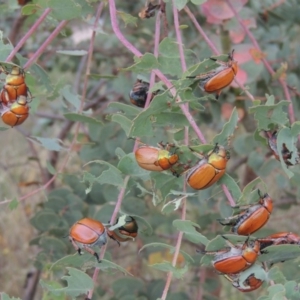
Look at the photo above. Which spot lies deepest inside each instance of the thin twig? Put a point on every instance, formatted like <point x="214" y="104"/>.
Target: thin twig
<point x="28" y="34"/>
<point x="265" y="62"/>
<point x="42" y="48"/>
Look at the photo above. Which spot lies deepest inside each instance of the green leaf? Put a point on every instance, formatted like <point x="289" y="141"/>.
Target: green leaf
<point x="78" y="283"/>
<point x="123" y="287"/>
<point x="64" y="10"/>
<point x="276" y="274"/>
<point x="228" y="129"/>
<point x="167" y="267"/>
<point x="99" y="76"/>
<point x="50" y="168"/>
<point x="42" y="77"/>
<point x="190" y="232"/>
<point x="127" y="18"/>
<point x="30" y="9"/>
<point x="124" y="122"/>
<point x="180" y="4"/>
<point x="4" y="128"/>
<point x="111" y="176"/>
<point x="13" y="204"/>
<point x="72" y="52"/>
<point x="6" y="297"/>
<point x="270" y="113"/>
<point x="292" y="290"/>
<point x="169" y="57"/>
<point x="198" y="2"/>
<point x="186" y="256"/>
<point x="143" y="64"/>
<point x="232" y="186"/>
<point x="142" y="124"/>
<point x="128" y="110"/>
<point x="82" y="118"/>
<point x="70" y="97"/>
<point x="279" y="253"/>
<point x="250" y="192"/>
<point x="172" y="205"/>
<point x="50" y="144"/>
<point x="128" y="165"/>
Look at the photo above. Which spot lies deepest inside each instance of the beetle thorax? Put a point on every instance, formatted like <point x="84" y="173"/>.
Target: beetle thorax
<point x="232" y="252"/>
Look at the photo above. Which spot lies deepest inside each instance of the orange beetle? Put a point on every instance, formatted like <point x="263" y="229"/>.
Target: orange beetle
<point x="155" y="159"/>
<point x="126" y="232"/>
<point x="272" y="141"/>
<point x="209" y="169"/>
<point x="279" y="238"/>
<point x="87" y="233"/>
<point x="219" y="78"/>
<point x="15" y="86"/>
<point x="251" y="283"/>
<point x="251" y="219"/>
<point x="238" y="258"/>
<point x="15" y="113"/>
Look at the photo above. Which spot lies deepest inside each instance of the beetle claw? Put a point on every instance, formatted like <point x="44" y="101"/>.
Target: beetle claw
<point x="97" y="257"/>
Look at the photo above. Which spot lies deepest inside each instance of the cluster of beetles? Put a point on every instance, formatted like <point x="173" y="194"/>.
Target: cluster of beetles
<point x="14" y="96"/>
<point x="236" y="261"/>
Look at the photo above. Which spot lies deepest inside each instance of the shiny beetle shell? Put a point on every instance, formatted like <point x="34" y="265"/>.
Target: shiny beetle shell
<point x="251" y="283"/>
<point x="219" y="78"/>
<point x="138" y="95"/>
<point x="16" y="113"/>
<point x="126" y="232"/>
<point x="14" y="87"/>
<point x="280" y="238"/>
<point x="253" y="218"/>
<point x="209" y="169"/>
<point x="237" y="258"/>
<point x="89" y="232"/>
<point x="155" y="159"/>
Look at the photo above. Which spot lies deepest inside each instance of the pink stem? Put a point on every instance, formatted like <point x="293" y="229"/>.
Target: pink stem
<point x="129" y="46"/>
<point x="265" y="62"/>
<point x="228" y="195"/>
<point x="42" y="48"/>
<point x="152" y="76"/>
<point x="28" y="34"/>
<point x="186" y="139"/>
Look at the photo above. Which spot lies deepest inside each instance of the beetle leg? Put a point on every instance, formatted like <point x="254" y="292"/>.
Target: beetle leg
<point x="113" y="238"/>
<point x="218" y="94"/>
<point x="91" y="251"/>
<point x="97" y="257"/>
<point x="75" y="246"/>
